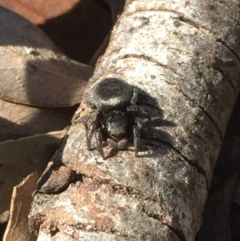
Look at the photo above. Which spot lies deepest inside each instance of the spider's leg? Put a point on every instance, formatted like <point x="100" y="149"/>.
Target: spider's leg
<point x="136" y="139"/>
<point x="112" y="143"/>
<point x="134" y="97"/>
<point x="90" y="132"/>
<point x="140" y="111"/>
<point x="141" y="124"/>
<point x="99" y="142"/>
<point x="84" y="120"/>
<point x="93" y="126"/>
<point x="149" y="124"/>
<point x="122" y="144"/>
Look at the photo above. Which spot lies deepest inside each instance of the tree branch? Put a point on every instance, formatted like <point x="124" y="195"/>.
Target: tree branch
<point x="185" y="57"/>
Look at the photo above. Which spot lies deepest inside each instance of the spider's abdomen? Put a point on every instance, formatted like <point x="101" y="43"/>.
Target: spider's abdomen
<point x="116" y="124"/>
<point x="111" y="94"/>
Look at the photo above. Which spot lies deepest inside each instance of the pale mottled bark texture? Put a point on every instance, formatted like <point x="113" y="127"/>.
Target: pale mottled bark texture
<point x="185" y="55"/>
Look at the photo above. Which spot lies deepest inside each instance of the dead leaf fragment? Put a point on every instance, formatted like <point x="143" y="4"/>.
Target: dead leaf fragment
<point x="17" y="121"/>
<point x="32" y="70"/>
<point x="4" y="217"/>
<point x="17" y="228"/>
<point x="38" y="11"/>
<point x="20" y="158"/>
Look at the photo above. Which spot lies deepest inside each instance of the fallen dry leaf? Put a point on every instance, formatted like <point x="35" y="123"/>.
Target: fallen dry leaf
<point x="77" y="27"/>
<point x="32" y="70"/>
<point x="17" y="228"/>
<point x="20" y="158"/>
<point x="18" y="121"/>
<point x="4" y="217"/>
<point x="38" y="11"/>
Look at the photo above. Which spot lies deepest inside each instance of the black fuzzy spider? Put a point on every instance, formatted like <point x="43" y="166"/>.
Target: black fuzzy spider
<point x="115" y="115"/>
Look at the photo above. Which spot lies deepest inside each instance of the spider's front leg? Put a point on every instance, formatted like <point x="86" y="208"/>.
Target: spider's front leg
<point x="134" y="97"/>
<point x="93" y="126"/>
<point x="136" y="139"/>
<point x="139" y="113"/>
<point x="99" y="142"/>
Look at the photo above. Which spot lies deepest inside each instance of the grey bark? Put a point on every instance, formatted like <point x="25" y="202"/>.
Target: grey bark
<point x="184" y="55"/>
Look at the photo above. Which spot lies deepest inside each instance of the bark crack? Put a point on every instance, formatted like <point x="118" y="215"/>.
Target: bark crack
<point x="224" y="4"/>
<point x="191" y="54"/>
<point x="234" y="20"/>
<point x="227" y="78"/>
<point x="215" y="68"/>
<point x="180" y="17"/>
<point x="190" y="162"/>
<point x="89" y="228"/>
<point x="121" y="189"/>
<point x="230" y="49"/>
<point x="179" y="233"/>
<point x="195" y="24"/>
<point x="214" y="123"/>
<point x="152" y="60"/>
<point x="118" y="188"/>
<point x="124" y="190"/>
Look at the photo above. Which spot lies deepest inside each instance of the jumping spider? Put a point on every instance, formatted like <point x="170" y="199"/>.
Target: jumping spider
<point x="115" y="115"/>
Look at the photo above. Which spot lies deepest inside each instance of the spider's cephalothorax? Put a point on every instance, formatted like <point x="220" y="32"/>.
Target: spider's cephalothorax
<point x="115" y="114"/>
